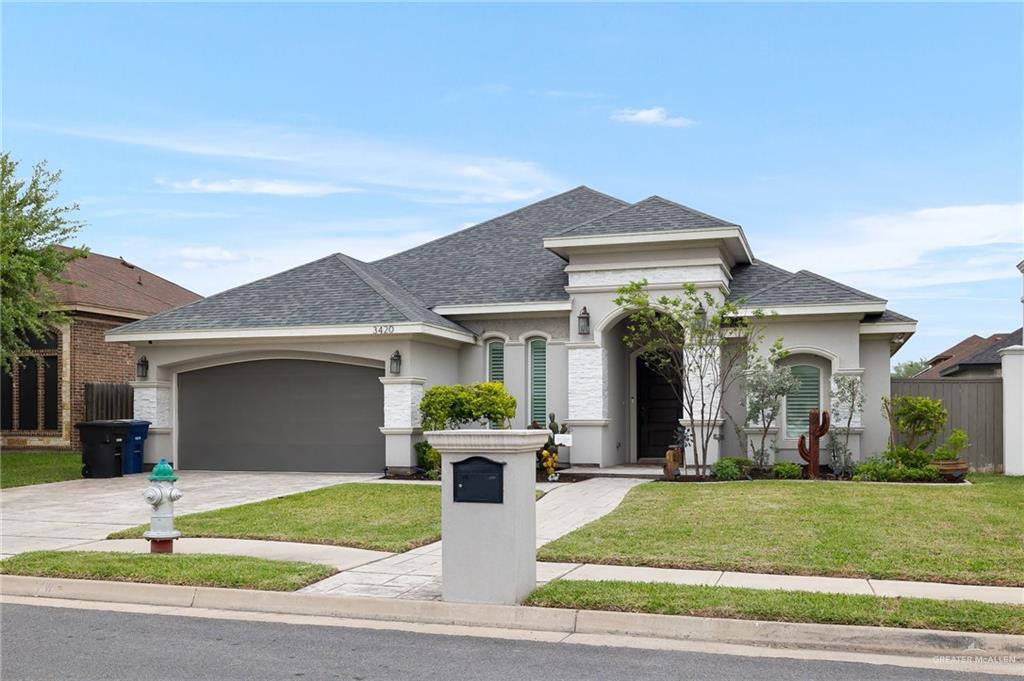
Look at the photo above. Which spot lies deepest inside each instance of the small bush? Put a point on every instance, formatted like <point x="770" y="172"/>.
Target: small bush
<point x="446" y="407"/>
<point x="953" y="447"/>
<point x="918" y="419"/>
<point x="428" y="458"/>
<point x="885" y="469"/>
<point x="786" y="470"/>
<point x="726" y="469"/>
<point x="742" y="462"/>
<point x="910" y="458"/>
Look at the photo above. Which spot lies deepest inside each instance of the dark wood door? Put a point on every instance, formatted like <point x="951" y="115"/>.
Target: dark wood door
<point x="657" y="413"/>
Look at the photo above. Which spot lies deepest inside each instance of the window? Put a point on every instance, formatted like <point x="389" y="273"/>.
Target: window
<point x="801" y="401"/>
<point x="496" y="361"/>
<point x="538" y="380"/>
<point x="28" y="394"/>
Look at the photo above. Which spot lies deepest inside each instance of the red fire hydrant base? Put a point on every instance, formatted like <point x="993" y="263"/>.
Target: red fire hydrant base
<point x="161" y="546"/>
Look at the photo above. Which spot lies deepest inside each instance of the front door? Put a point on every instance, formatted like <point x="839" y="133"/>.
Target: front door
<point x="657" y="413"/>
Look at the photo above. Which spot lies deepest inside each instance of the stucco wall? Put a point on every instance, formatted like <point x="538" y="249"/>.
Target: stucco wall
<point x="874" y="354"/>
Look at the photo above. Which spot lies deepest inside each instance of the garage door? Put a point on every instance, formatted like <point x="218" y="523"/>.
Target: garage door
<point x="281" y="415"/>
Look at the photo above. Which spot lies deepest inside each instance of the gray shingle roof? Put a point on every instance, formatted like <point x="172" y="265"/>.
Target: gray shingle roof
<point x="653" y="214"/>
<point x="990" y="353"/>
<point x="808" y="288"/>
<point x="501" y="260"/>
<point x="887" y="316"/>
<point x="749" y="279"/>
<point x="335" y="290"/>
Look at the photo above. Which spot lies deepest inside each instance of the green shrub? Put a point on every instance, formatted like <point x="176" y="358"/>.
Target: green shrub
<point x="786" y="470"/>
<point x="953" y="447"/>
<point x="428" y="458"/>
<point x="445" y="407"/>
<point x="726" y="469"/>
<point x="910" y="458"/>
<point x="916" y="418"/>
<point x="885" y="469"/>
<point x="742" y="462"/>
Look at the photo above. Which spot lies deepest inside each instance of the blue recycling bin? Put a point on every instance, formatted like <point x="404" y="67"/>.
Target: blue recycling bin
<point x="134" y="446"/>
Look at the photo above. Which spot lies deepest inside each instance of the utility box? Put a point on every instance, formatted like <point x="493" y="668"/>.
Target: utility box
<point x="488" y="513"/>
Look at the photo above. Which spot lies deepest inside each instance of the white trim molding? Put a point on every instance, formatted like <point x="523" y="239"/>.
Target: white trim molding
<point x="559" y="244"/>
<point x="886" y="328"/>
<point x="829" y="308"/>
<point x="362" y="331"/>
<point x="505" y="308"/>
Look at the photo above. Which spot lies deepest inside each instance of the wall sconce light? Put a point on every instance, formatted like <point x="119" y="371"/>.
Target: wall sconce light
<point x="584" y="321"/>
<point x="142" y="367"/>
<point x="702" y="316"/>
<point x="396" y="363"/>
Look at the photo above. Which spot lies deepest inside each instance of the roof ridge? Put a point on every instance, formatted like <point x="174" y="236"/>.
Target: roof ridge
<point x="450" y="235"/>
<point x="792" y="275"/>
<point x="370" y="279"/>
<point x="595" y="219"/>
<point x="842" y="285"/>
<point x="120" y="259"/>
<point x="685" y="207"/>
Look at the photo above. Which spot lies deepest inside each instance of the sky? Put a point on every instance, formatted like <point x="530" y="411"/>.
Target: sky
<point x="213" y="144"/>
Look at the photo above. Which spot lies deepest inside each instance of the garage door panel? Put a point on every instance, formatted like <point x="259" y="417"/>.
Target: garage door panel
<point x="281" y="415"/>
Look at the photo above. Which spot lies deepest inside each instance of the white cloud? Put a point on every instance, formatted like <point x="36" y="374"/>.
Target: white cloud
<point x="207" y="254"/>
<point x="656" y="115"/>
<point x="915" y="249"/>
<point x="340" y="159"/>
<point x="256" y="186"/>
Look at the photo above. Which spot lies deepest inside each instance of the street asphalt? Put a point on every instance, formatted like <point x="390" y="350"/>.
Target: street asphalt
<point x="59" y="643"/>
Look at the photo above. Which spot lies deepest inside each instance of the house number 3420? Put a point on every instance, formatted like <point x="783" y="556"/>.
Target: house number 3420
<point x="384" y="329"/>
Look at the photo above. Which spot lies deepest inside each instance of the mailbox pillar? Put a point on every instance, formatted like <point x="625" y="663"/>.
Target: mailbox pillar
<point x="488" y="513"/>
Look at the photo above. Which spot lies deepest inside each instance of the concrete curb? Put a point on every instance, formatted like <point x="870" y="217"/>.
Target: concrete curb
<point x="860" y="639"/>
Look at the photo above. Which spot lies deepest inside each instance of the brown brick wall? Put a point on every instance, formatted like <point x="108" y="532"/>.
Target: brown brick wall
<point x="93" y="360"/>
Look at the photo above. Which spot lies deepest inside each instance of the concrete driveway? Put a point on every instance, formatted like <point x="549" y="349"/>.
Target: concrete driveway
<point x="61" y="515"/>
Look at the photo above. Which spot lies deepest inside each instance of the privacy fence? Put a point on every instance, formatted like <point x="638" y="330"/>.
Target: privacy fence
<point x="974" y="404"/>
<point x="108" y="401"/>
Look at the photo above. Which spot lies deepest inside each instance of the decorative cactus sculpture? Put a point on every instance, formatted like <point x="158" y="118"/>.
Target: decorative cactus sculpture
<point x="810" y="445"/>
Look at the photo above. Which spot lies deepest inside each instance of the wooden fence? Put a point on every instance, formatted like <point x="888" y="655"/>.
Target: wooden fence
<point x="108" y="401"/>
<point x="974" y="404"/>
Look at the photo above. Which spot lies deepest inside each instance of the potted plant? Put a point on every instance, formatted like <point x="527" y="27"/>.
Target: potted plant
<point x="946" y="458"/>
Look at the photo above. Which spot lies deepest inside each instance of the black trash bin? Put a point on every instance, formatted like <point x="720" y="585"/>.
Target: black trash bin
<point x="103" y="445"/>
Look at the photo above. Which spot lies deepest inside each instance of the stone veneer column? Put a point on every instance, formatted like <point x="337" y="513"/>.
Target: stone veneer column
<point x="152" y="402"/>
<point x="588" y="401"/>
<point x="402" y="426"/>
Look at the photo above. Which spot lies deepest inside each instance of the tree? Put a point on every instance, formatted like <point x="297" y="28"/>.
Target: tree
<point x="766" y="383"/>
<point x="699" y="345"/>
<point x="31" y="228"/>
<point x="848" y="398"/>
<point x="910" y="368"/>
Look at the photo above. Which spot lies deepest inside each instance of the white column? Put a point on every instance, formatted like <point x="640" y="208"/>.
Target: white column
<point x="1013" y="408"/>
<point x="401" y="429"/>
<point x="588" y="401"/>
<point x="152" y="402"/>
<point x="490" y="541"/>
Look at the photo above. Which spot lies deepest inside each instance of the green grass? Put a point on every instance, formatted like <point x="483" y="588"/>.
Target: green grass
<point x="18" y="469"/>
<point x="383" y="517"/>
<point x="969" y="534"/>
<point x="234" y="572"/>
<point x="781" y="606"/>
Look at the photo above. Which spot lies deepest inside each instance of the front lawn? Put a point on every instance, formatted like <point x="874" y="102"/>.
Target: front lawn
<point x="383" y="517"/>
<point x="32" y="468"/>
<point x="970" y="534"/>
<point x="781" y="606"/>
<point x="233" y="572"/>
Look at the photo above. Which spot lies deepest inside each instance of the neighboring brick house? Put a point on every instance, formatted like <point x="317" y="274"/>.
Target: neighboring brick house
<point x="40" y="404"/>
<point x="973" y="357"/>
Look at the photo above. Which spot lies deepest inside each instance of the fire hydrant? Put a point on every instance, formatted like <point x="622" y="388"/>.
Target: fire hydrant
<point x="161" y="495"/>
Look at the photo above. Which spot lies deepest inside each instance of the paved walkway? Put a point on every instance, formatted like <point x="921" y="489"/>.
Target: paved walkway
<point x="417" y="573"/>
<point x="61" y="515"/>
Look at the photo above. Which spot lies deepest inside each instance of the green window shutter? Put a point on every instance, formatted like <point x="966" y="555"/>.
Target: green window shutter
<point x="800" y="402"/>
<point x="539" y="381"/>
<point x="496" y="361"/>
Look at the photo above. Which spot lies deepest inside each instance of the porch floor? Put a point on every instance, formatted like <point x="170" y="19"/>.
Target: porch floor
<point x="626" y="470"/>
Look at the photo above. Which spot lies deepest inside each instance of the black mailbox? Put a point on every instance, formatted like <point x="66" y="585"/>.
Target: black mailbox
<point x="479" y="480"/>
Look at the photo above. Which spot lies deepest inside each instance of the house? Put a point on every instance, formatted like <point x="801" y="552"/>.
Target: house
<point x="322" y="367"/>
<point x="973" y="357"/>
<point x="41" y="403"/>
